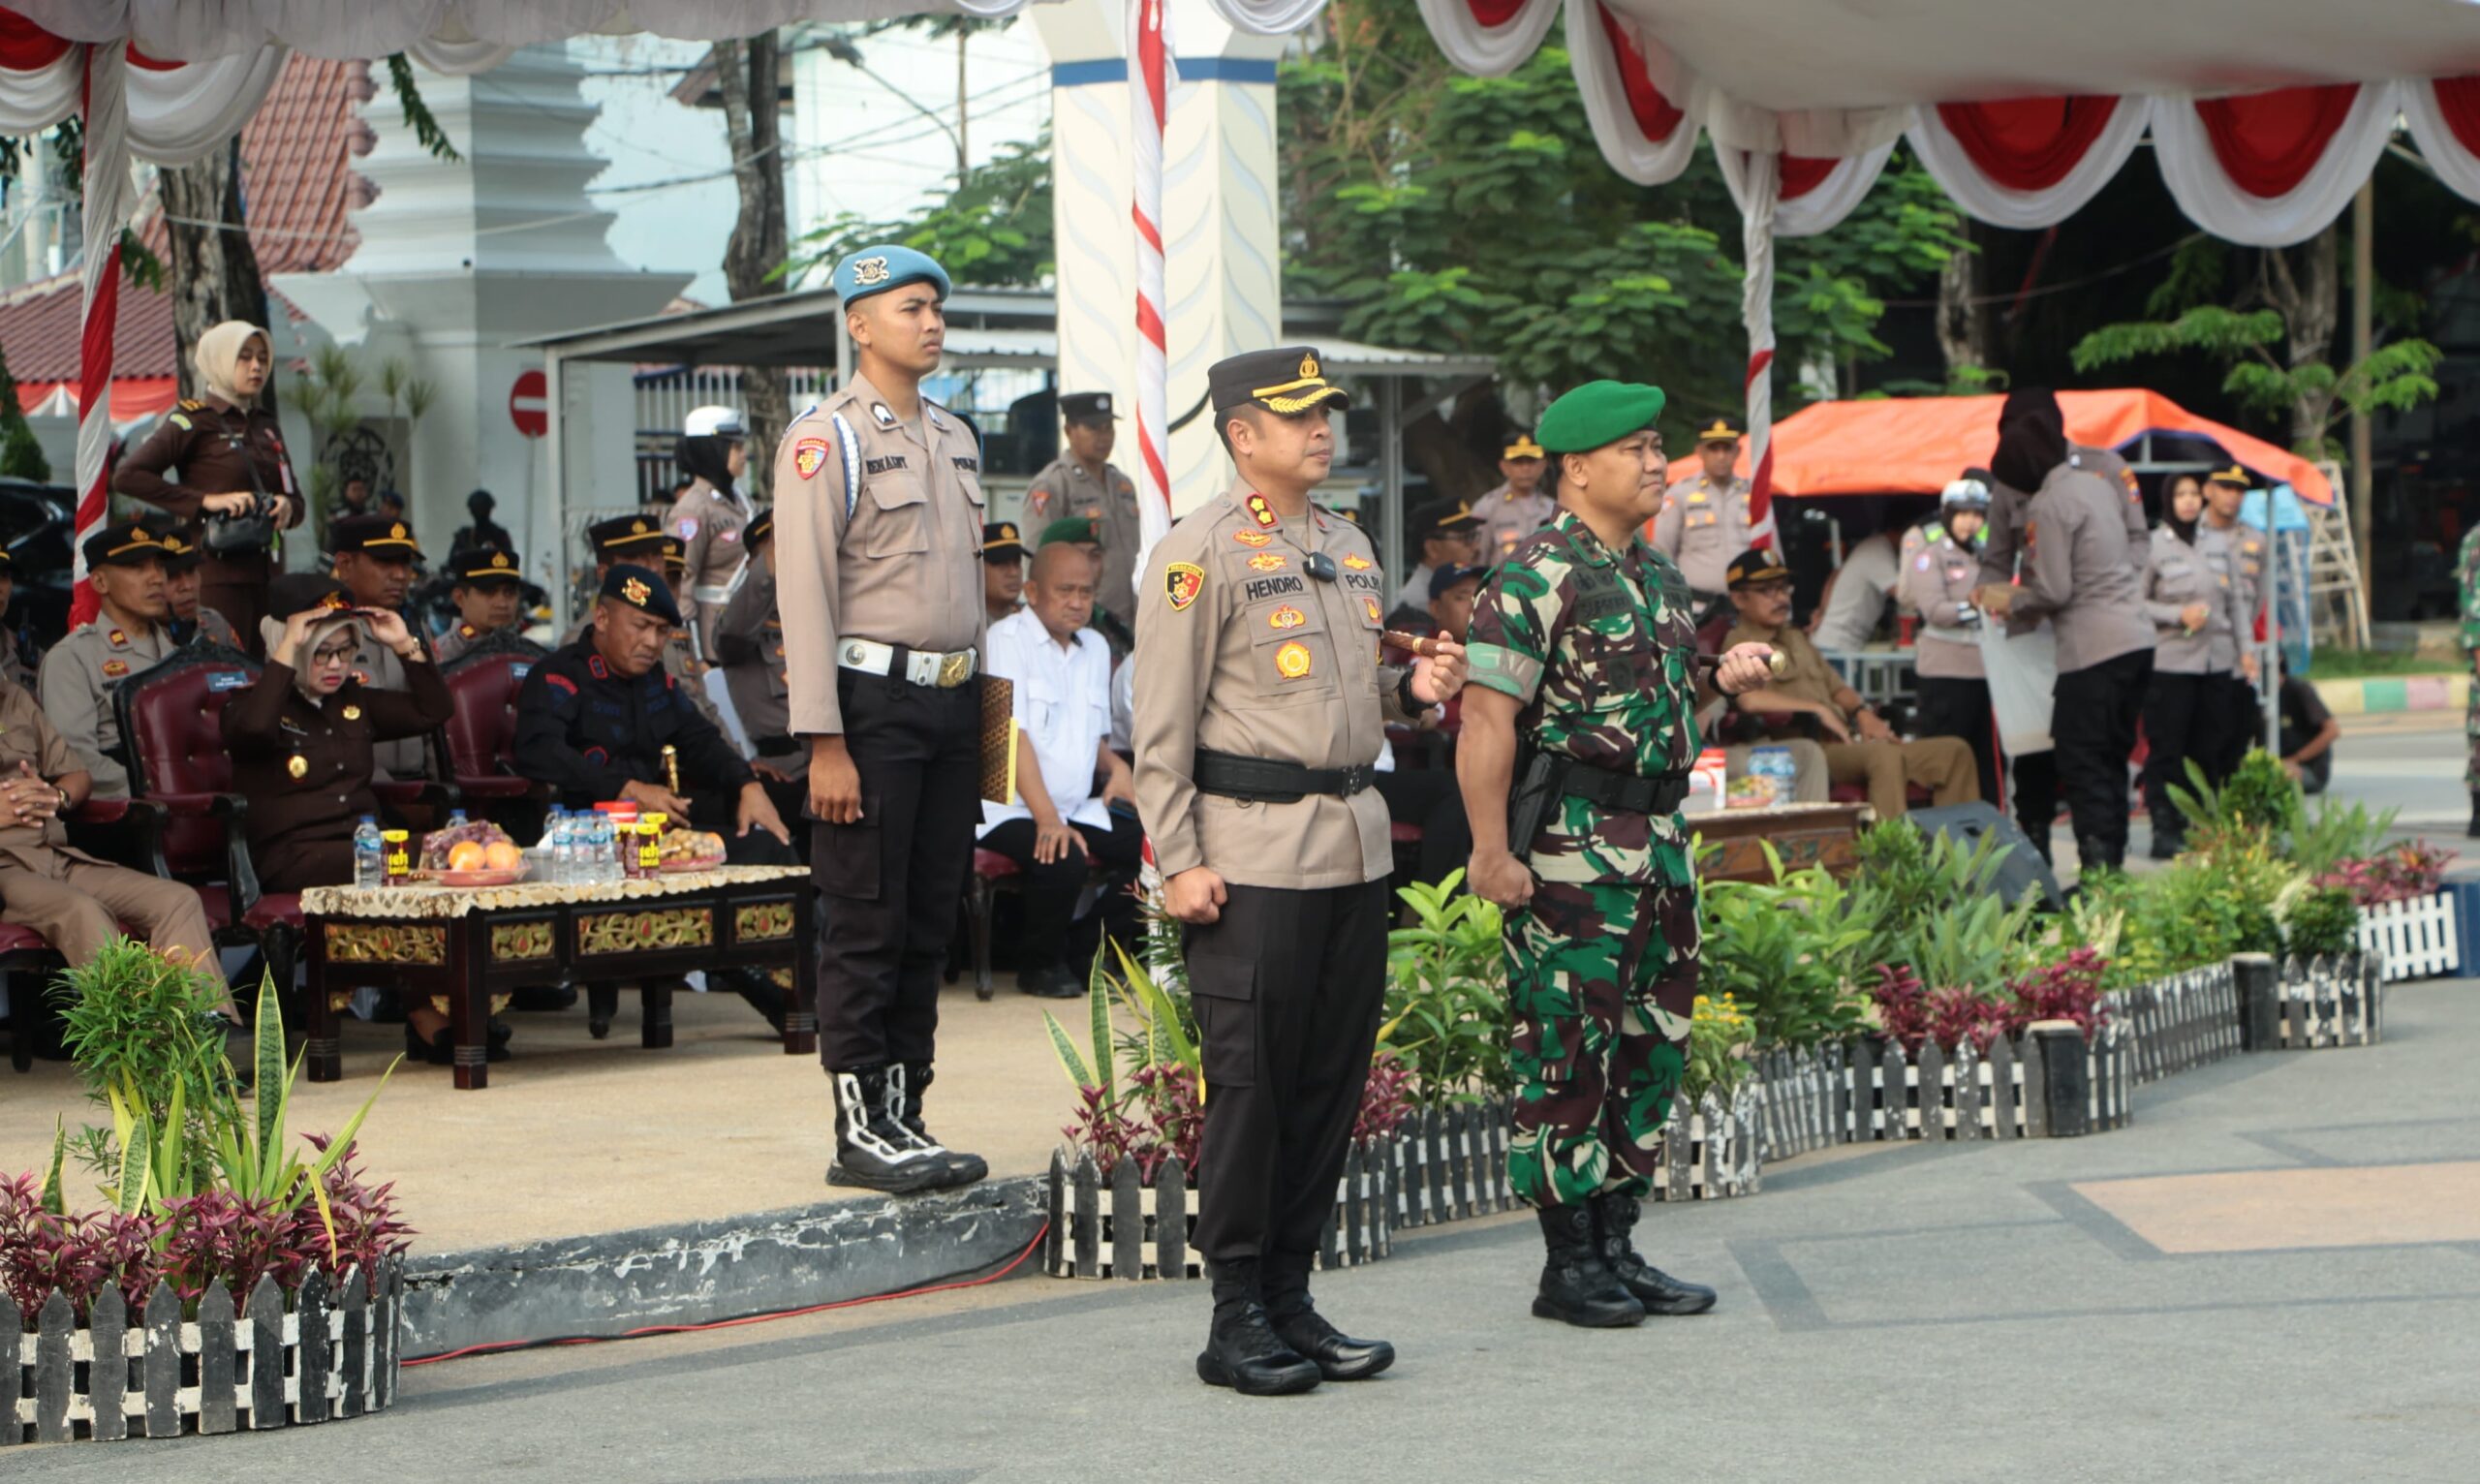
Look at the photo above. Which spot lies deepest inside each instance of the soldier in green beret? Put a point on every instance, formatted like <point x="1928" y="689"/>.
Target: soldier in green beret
<point x="1579" y="729"/>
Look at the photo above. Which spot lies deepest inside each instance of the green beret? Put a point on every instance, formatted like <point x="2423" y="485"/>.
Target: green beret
<point x="1595" y="413"/>
<point x="1071" y="528"/>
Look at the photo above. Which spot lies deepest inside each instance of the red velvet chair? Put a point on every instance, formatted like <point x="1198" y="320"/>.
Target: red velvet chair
<point x="480" y="738"/>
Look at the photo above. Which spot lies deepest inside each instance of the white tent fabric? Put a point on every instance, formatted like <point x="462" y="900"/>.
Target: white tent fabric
<point x="2455" y="161"/>
<point x="2207" y="192"/>
<point x="1946" y="160"/>
<point x="1820" y="208"/>
<point x="1494" y="43"/>
<point x="174" y="114"/>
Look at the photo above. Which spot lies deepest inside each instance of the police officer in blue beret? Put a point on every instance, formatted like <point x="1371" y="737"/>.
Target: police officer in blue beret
<point x="879" y="516"/>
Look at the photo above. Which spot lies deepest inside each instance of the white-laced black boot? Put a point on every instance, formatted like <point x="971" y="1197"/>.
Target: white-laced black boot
<point x="906" y="1082"/>
<point x="871" y="1150"/>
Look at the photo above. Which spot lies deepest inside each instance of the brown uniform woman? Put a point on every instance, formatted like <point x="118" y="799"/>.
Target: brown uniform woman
<point x="301" y="737"/>
<point x="216" y="456"/>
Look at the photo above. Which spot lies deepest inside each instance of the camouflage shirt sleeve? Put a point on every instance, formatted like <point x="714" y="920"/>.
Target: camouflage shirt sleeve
<point x="2467" y="572"/>
<point x="1514" y="621"/>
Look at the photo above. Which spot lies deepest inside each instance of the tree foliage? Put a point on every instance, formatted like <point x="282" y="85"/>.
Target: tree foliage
<point x="993" y="228"/>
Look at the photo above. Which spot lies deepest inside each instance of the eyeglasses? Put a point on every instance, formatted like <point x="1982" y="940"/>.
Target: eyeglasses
<point x="1774" y="589"/>
<point x="325" y="656"/>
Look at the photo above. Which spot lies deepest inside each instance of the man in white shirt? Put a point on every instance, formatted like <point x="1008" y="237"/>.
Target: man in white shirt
<point x="1061" y="829"/>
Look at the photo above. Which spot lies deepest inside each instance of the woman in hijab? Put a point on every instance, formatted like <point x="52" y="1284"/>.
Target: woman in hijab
<point x="220" y="456"/>
<point x="2189" y="595"/>
<point x="300" y="740"/>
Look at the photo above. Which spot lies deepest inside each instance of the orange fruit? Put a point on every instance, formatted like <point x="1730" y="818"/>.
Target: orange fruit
<point x="500" y="855"/>
<point x="465" y="855"/>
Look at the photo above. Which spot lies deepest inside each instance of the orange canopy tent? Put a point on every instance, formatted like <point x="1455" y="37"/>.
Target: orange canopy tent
<point x="1895" y="445"/>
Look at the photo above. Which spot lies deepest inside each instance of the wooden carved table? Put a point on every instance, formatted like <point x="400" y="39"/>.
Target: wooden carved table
<point x="1801" y="835"/>
<point x="465" y="945"/>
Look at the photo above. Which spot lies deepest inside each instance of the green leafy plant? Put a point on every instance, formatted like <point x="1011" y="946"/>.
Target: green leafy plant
<point x="2339" y="832"/>
<point x="1446" y="999"/>
<point x="2258" y="796"/>
<point x="1718" y="1039"/>
<point x="2322" y="920"/>
<point x="1783" y="966"/>
<point x="138" y="1028"/>
<point x="1908" y="883"/>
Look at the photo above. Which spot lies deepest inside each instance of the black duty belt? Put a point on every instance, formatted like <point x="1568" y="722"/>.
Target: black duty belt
<point x="1264" y="781"/>
<point x="1627" y="792"/>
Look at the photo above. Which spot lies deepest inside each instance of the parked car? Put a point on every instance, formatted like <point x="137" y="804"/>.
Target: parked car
<point x="37" y="524"/>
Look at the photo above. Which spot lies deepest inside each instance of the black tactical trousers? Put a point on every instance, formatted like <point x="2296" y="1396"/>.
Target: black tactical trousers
<point x="1288" y="987"/>
<point x="1957" y="706"/>
<point x="2186" y="718"/>
<point x="890" y="883"/>
<point x="2093" y="721"/>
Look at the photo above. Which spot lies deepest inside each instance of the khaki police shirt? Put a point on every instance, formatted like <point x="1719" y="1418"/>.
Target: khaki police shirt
<point x="2002" y="532"/>
<point x="2081" y="570"/>
<point x="904" y="568"/>
<point x="1064" y="490"/>
<point x="1702" y="525"/>
<point x="1507" y="518"/>
<point x="2250" y="554"/>
<point x="1240" y="650"/>
<point x="78" y="677"/>
<point x="2179" y="574"/>
<point x="1939" y="575"/>
<point x="708" y="523"/>
<point x="750" y="634"/>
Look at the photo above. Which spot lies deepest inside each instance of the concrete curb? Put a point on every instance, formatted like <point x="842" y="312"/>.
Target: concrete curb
<point x="2378" y="693"/>
<point x="699" y="1272"/>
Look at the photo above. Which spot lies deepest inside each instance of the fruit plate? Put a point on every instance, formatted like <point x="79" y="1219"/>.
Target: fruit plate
<point x="684" y="867"/>
<point x="505" y="877"/>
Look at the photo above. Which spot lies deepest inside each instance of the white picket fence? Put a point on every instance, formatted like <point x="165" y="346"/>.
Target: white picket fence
<point x="2417" y="939"/>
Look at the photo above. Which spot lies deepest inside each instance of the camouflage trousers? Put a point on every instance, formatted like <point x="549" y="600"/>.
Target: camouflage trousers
<point x="1601" y="985"/>
<point x="2471" y="736"/>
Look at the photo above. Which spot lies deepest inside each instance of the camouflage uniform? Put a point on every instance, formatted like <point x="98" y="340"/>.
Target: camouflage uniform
<point x="1601" y="965"/>
<point x="2466" y="575"/>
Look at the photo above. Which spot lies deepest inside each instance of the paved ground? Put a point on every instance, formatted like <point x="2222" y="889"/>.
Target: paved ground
<point x="2109" y="1308"/>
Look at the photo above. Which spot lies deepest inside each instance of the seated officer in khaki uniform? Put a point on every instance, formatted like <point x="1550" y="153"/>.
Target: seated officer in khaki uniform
<point x="78" y="903"/>
<point x="1705" y="519"/>
<point x="126" y="562"/>
<point x="1860" y="748"/>
<point x="487" y="588"/>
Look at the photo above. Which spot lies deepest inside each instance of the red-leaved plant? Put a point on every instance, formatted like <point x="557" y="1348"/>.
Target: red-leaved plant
<point x="1385" y="1101"/>
<point x="2408" y="871"/>
<point x="1912" y="1014"/>
<point x="2070" y="989"/>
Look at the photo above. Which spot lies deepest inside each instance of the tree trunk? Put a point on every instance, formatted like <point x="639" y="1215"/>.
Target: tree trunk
<point x="746" y="71"/>
<point x="1439" y="451"/>
<point x="214" y="272"/>
<point x="2311" y="302"/>
<point x="1963" y="325"/>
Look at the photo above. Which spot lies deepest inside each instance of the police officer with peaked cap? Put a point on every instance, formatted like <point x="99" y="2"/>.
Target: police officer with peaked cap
<point x="1260" y="710"/>
<point x="125" y="560"/>
<point x="1706" y="520"/>
<point x="1083" y="481"/>
<point x="878" y="512"/>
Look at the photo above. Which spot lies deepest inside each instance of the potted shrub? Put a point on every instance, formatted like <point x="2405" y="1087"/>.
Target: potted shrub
<point x="2330" y="994"/>
<point x="215" y="1230"/>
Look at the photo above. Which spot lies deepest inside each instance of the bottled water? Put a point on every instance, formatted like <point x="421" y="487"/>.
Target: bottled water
<point x="553" y="850"/>
<point x="599" y="849"/>
<point x="369" y="862"/>
<point x="456" y="818"/>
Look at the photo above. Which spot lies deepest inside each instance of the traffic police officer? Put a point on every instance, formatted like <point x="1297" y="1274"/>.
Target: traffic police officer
<point x="1705" y="519"/>
<point x="126" y="562"/>
<point x="1083" y="481"/>
<point x="2249" y="561"/>
<point x="878" y="564"/>
<point x="2196" y="611"/>
<point x="2082" y="571"/>
<point x="708" y="516"/>
<point x="1584" y="644"/>
<point x="750" y="635"/>
<point x="1519" y="505"/>
<point x="1259" y="712"/>
<point x="485" y="585"/>
<point x="1940" y="568"/>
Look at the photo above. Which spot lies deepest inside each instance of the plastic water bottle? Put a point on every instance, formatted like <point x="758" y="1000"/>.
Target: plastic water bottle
<point x="456" y="818"/>
<point x="369" y="863"/>
<point x="598" y="847"/>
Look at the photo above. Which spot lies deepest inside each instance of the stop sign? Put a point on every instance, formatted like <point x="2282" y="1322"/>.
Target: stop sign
<point x="529" y="404"/>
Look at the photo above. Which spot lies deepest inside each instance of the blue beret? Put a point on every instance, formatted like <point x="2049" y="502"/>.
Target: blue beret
<point x="1598" y="414"/>
<point x="887" y="266"/>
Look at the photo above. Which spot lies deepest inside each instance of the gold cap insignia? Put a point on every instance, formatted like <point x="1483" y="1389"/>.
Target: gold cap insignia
<point x="396" y="531"/>
<point x="1308" y="367"/>
<point x="635" y="591"/>
<point x="499" y="559"/>
<point x="636" y="528"/>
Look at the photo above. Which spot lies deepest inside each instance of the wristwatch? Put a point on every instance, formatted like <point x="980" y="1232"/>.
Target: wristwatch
<point x="1404" y="695"/>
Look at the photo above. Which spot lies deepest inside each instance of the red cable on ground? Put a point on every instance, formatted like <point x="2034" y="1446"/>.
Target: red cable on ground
<point x="501" y="1346"/>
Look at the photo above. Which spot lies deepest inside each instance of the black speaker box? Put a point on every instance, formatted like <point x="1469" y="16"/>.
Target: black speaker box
<point x="1969" y="824"/>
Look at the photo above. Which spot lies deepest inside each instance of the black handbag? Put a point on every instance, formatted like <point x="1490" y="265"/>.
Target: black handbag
<point x="248" y="531"/>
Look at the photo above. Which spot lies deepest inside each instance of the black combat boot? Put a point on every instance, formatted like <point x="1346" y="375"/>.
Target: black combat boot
<point x="2094" y="853"/>
<point x="601" y="1003"/>
<point x="906" y="1082"/>
<point x="2168" y="840"/>
<point x="871" y="1150"/>
<point x="1578" y="1287"/>
<point x="1614" y="1220"/>
<point x="1338" y="1356"/>
<point x="1241" y="1348"/>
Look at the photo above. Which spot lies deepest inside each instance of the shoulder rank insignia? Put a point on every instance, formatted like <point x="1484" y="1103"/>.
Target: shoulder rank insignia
<point x="119" y="638"/>
<point x="1262" y="512"/>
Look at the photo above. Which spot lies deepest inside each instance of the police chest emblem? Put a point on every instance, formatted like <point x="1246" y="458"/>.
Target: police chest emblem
<point x="116" y="668"/>
<point x="1182" y="581"/>
<point x="1269" y="561"/>
<point x="689" y="528"/>
<point x="1263" y="513"/>
<point x="869" y="271"/>
<point x="807" y="456"/>
<point x="1358" y="563"/>
<point x="1250" y="537"/>
<point x="1291" y="661"/>
<point x="297" y="766"/>
<point x="352" y="713"/>
<point x="1369" y="606"/>
<point x="1285" y="617"/>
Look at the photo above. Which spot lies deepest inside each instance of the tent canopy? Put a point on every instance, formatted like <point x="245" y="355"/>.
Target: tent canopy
<point x="1898" y="446"/>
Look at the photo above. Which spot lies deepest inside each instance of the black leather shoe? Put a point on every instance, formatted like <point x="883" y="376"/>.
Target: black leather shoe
<point x="1338" y="1356"/>
<point x="1242" y="1352"/>
<point x="439" y="1050"/>
<point x="1614" y="1220"/>
<point x="1578" y="1287"/>
<point x="2166" y="845"/>
<point x="1057" y="982"/>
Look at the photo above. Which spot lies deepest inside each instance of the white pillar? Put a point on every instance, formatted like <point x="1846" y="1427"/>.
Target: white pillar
<point x="1222" y="259"/>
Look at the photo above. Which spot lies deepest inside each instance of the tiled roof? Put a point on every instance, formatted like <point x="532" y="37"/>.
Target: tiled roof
<point x="296" y="185"/>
